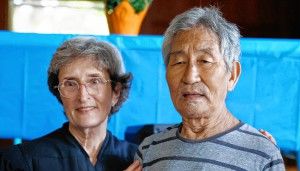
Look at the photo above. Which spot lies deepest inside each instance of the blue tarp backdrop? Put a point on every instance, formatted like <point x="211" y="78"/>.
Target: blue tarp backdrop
<point x="267" y="95"/>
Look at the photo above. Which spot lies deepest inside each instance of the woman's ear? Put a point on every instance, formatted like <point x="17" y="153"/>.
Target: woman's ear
<point x="235" y="75"/>
<point x="116" y="94"/>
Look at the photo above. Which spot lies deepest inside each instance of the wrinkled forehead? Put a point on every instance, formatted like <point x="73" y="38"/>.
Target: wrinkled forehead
<point x="196" y="33"/>
<point x="197" y="38"/>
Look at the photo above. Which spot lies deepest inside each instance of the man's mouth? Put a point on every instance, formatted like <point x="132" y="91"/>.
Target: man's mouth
<point x="192" y="95"/>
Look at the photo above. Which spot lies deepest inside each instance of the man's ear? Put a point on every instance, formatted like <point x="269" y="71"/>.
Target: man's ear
<point x="116" y="94"/>
<point x="235" y="75"/>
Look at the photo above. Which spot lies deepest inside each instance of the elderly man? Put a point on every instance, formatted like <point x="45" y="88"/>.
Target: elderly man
<point x="201" y="53"/>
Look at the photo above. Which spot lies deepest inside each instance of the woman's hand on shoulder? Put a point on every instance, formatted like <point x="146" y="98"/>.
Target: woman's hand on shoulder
<point x="135" y="166"/>
<point x="268" y="135"/>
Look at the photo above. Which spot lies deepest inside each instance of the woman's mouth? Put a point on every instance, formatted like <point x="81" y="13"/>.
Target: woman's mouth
<point x="85" y="108"/>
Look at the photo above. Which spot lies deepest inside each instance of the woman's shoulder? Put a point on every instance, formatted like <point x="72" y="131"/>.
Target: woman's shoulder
<point x="12" y="159"/>
<point x="53" y="145"/>
<point x="39" y="146"/>
<point x="117" y="151"/>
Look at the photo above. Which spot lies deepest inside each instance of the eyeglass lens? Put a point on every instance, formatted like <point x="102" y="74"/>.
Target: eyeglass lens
<point x="70" y="88"/>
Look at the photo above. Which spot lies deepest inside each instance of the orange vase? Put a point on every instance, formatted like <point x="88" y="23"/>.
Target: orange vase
<point x="124" y="20"/>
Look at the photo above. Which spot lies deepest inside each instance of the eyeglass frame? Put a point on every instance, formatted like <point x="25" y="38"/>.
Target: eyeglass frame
<point x="58" y="87"/>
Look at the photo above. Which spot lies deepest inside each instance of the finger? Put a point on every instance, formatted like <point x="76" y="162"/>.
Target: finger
<point x="265" y="133"/>
<point x="262" y="131"/>
<point x="134" y="166"/>
<point x="140" y="168"/>
<point x="268" y="135"/>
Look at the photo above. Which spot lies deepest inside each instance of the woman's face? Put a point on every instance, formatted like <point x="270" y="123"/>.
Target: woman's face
<point x="87" y="109"/>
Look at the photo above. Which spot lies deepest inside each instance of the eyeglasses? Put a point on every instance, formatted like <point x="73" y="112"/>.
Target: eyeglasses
<point x="70" y="88"/>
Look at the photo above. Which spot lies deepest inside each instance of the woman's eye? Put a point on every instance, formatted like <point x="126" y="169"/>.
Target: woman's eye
<point x="70" y="83"/>
<point x="96" y="81"/>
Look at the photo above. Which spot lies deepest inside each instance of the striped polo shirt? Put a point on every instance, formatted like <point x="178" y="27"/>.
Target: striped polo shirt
<point x="240" y="148"/>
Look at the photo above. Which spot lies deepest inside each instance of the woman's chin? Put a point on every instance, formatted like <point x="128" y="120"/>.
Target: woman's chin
<point x="87" y="118"/>
<point x="88" y="124"/>
<point x="88" y="121"/>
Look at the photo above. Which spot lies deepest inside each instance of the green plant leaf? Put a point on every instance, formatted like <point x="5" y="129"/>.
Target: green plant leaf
<point x="111" y="4"/>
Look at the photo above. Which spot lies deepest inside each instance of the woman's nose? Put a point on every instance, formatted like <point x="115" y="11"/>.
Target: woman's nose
<point x="83" y="92"/>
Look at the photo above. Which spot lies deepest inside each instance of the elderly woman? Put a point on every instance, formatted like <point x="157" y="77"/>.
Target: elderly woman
<point x="88" y="78"/>
<point x="201" y="52"/>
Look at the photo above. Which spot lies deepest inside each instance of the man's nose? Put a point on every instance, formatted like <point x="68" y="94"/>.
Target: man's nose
<point x="191" y="74"/>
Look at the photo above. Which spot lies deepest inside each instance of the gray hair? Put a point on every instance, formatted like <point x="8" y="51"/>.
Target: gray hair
<point x="211" y="18"/>
<point x="105" y="56"/>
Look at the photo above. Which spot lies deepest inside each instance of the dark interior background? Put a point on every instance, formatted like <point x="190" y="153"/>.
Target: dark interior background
<point x="255" y="18"/>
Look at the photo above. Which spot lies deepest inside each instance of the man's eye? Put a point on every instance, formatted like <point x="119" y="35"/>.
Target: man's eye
<point x="178" y="63"/>
<point x="205" y="61"/>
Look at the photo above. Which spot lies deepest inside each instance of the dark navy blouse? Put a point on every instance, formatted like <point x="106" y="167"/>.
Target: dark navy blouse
<point x="60" y="151"/>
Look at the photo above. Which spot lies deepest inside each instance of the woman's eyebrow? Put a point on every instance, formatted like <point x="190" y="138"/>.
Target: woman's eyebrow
<point x="69" y="78"/>
<point x="95" y="75"/>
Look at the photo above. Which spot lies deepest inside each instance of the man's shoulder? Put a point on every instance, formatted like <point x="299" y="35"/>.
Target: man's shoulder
<point x="250" y="132"/>
<point x="167" y="134"/>
<point x="253" y="139"/>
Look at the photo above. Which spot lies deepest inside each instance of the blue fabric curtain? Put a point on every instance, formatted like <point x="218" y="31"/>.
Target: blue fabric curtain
<point x="267" y="95"/>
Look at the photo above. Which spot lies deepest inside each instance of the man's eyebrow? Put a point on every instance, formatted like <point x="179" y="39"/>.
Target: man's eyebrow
<point x="206" y="49"/>
<point x="176" y="52"/>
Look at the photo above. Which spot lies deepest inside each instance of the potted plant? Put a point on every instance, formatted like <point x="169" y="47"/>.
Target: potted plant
<point x="125" y="16"/>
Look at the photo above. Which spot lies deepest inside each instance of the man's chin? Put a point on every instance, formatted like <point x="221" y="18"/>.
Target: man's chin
<point x="195" y="112"/>
<point x="193" y="115"/>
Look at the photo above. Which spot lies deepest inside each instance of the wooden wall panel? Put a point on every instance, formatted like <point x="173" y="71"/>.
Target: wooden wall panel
<point x="255" y="18"/>
<point x="3" y="14"/>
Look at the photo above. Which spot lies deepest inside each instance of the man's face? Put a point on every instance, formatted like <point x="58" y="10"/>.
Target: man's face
<point x="196" y="74"/>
